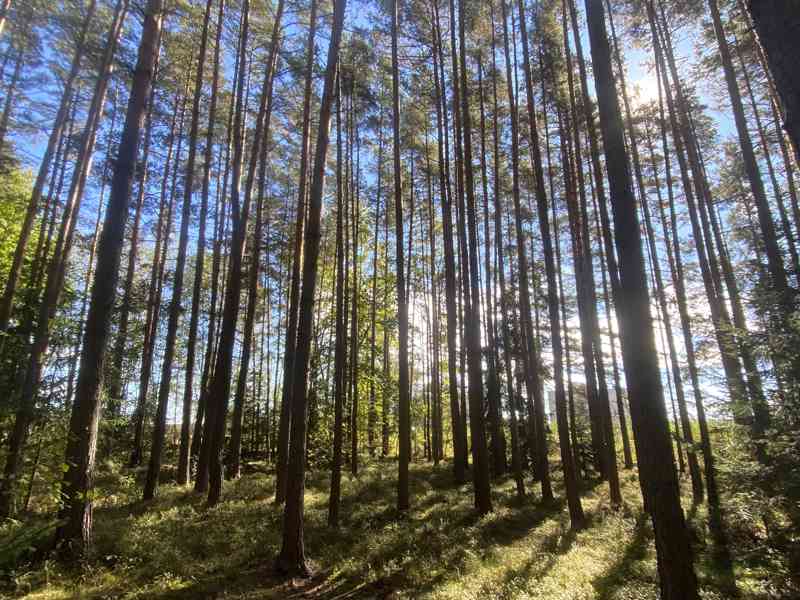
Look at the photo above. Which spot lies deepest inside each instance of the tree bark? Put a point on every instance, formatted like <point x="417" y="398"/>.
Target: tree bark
<point x="677" y="578"/>
<point x="292" y="556"/>
<point x="76" y="513"/>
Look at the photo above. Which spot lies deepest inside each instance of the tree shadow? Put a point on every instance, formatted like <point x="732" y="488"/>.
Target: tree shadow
<point x="621" y="571"/>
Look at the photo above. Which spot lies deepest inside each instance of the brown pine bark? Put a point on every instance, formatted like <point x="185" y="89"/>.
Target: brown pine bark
<point x="493" y="384"/>
<point x="154" y="294"/>
<point x="115" y="386"/>
<point x="516" y="458"/>
<point x="775" y="264"/>
<point x="255" y="178"/>
<point x="480" y="453"/>
<point x="56" y="272"/>
<point x="681" y="131"/>
<point x="530" y="352"/>
<point x="677" y="578"/>
<point x="372" y="420"/>
<point x="340" y="349"/>
<point x="292" y="556"/>
<point x="175" y="307"/>
<point x="76" y="513"/>
<point x="459" y="439"/>
<point x="199" y="268"/>
<point x="297" y="258"/>
<point x="404" y="400"/>
<point x="777" y="23"/>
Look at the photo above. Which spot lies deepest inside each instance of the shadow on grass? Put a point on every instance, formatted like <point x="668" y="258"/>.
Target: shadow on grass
<point x="622" y="571"/>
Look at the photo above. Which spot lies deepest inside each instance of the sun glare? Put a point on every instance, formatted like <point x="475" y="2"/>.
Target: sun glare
<point x="645" y="90"/>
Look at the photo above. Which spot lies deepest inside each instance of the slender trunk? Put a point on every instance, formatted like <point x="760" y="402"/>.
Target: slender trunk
<point x="258" y="159"/>
<point x="175" y="308"/>
<point x="677" y="578"/>
<point x="191" y="347"/>
<point x="290" y="343"/>
<point x="775" y="265"/>
<point x="76" y="512"/>
<point x="404" y="400"/>
<point x="529" y="352"/>
<point x="292" y="556"/>
<point x="459" y="447"/>
<point x="157" y="278"/>
<point x="341" y="330"/>
<point x="373" y="415"/>
<point x="480" y="454"/>
<point x="493" y="385"/>
<point x="56" y="273"/>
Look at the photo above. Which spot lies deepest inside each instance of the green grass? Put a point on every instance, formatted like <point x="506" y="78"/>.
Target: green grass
<point x="175" y="548"/>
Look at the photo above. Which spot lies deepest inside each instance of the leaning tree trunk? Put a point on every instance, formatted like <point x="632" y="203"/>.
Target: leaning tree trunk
<point x="56" y="271"/>
<point x="777" y="23"/>
<point x="76" y="513"/>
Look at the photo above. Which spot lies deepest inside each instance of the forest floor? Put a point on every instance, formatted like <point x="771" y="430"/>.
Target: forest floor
<point x="175" y="548"/>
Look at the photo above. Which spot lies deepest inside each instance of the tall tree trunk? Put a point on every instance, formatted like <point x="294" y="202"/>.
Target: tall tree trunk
<point x="297" y="263"/>
<point x="56" y="272"/>
<point x="115" y="386"/>
<point x="493" y="384"/>
<point x="677" y="578"/>
<point x="175" y="308"/>
<point x="341" y="331"/>
<point x="373" y="414"/>
<point x="258" y="159"/>
<point x="292" y="556"/>
<point x="480" y="454"/>
<point x="191" y="346"/>
<point x="404" y="400"/>
<point x="770" y="239"/>
<point x="516" y="458"/>
<point x="719" y="313"/>
<point x="529" y="352"/>
<point x="777" y="23"/>
<point x="459" y="445"/>
<point x="76" y="512"/>
<point x="157" y="279"/>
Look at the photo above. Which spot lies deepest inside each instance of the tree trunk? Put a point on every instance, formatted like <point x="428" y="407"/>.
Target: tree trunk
<point x="292" y="556"/>
<point x="459" y="447"/>
<point x="76" y="512"/>
<point x="480" y="454"/>
<point x="175" y="308"/>
<point x="529" y="352"/>
<point x="191" y="347"/>
<point x="404" y="401"/>
<point x="677" y="578"/>
<point x="56" y="271"/>
<point x="777" y="23"/>
<point x="157" y="279"/>
<point x="258" y="156"/>
<point x="341" y="331"/>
